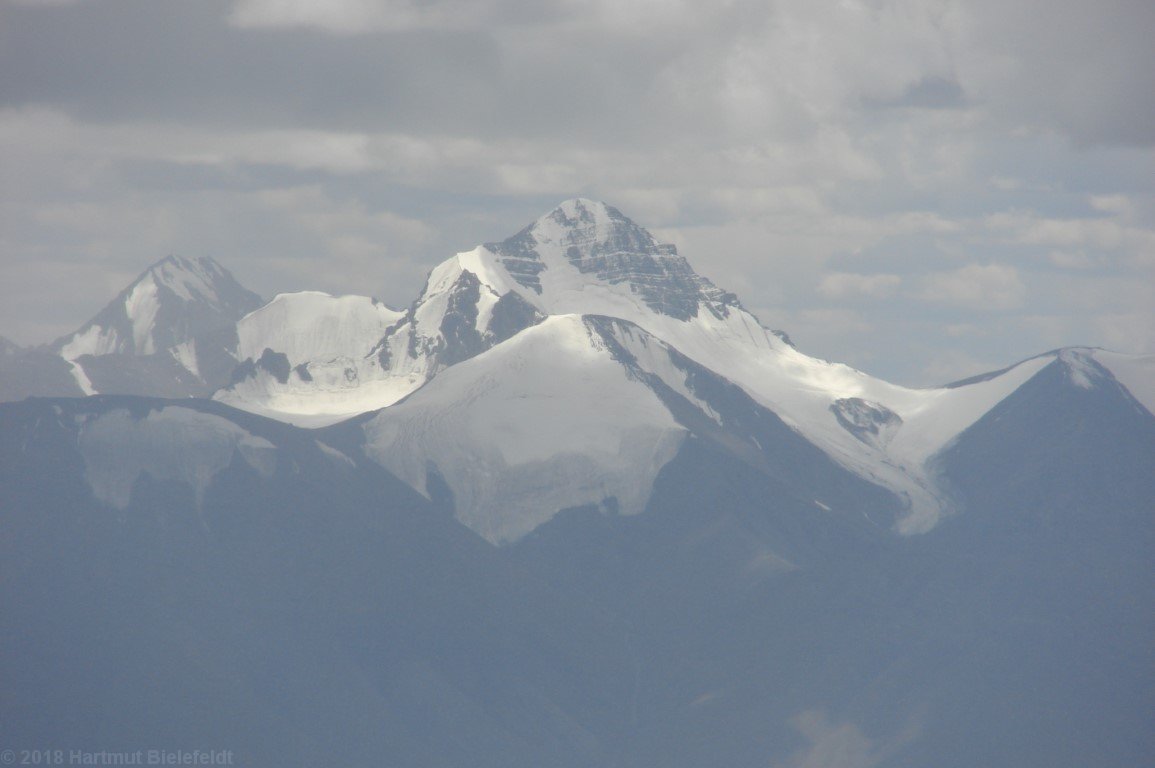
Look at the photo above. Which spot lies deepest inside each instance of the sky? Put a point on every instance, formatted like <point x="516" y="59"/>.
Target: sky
<point x="925" y="190"/>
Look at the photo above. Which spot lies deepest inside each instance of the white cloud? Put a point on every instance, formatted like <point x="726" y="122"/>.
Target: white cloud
<point x="352" y="16"/>
<point x="962" y="330"/>
<point x="976" y="286"/>
<point x="842" y="745"/>
<point x="1052" y="331"/>
<point x="955" y="365"/>
<point x="844" y="285"/>
<point x="1132" y="332"/>
<point x="1072" y="260"/>
<point x="1104" y="234"/>
<point x="1119" y="205"/>
<point x="798" y="153"/>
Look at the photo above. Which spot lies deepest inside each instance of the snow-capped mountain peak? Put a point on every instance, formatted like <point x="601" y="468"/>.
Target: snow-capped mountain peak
<point x="583" y="245"/>
<point x="192" y="279"/>
<point x="582" y="258"/>
<point x="171" y="302"/>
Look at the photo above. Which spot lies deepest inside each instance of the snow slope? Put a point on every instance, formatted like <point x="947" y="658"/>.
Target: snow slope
<point x="303" y="358"/>
<point x="586" y="258"/>
<point x="313" y="359"/>
<point x="162" y="315"/>
<point x="584" y="411"/>
<point x="546" y="421"/>
<point x="171" y="443"/>
<point x="378" y="356"/>
<point x="169" y="303"/>
<point x="313" y="326"/>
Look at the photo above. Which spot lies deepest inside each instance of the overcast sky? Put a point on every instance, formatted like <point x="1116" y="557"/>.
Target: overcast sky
<point x="924" y="189"/>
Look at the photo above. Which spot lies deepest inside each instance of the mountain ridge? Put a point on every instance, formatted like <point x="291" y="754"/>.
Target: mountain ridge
<point x="313" y="359"/>
<point x="575" y="526"/>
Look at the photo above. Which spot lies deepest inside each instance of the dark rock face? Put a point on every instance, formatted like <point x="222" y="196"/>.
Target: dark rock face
<point x="621" y="253"/>
<point x="511" y="315"/>
<point x="157" y="375"/>
<point x="520" y="259"/>
<point x="216" y="358"/>
<point x="276" y="364"/>
<point x="1057" y="446"/>
<point x="461" y="339"/>
<point x="784" y="337"/>
<point x="35" y="373"/>
<point x="870" y="422"/>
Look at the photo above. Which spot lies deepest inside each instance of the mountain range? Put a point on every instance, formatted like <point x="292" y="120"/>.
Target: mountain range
<point x="575" y="505"/>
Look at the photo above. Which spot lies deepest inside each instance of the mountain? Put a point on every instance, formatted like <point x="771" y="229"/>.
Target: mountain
<point x="170" y="303"/>
<point x="1015" y="633"/>
<point x="584" y="257"/>
<point x="585" y="411"/>
<point x="243" y="585"/>
<point x="301" y="356"/>
<point x="587" y="260"/>
<point x="314" y="359"/>
<point x="576" y="506"/>
<point x="185" y="327"/>
<point x="169" y="333"/>
<point x="34" y="372"/>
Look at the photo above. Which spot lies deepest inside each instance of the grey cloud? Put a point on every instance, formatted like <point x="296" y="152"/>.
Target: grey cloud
<point x="577" y="71"/>
<point x="179" y="61"/>
<point x="932" y="92"/>
<point x="353" y="17"/>
<point x="156" y="175"/>
<point x="125" y="60"/>
<point x="777" y="144"/>
<point x="1084" y="69"/>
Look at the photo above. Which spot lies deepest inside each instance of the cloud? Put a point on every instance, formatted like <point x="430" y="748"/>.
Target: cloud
<point x="931" y="92"/>
<point x="1119" y="205"/>
<point x="359" y="16"/>
<point x="1072" y="260"/>
<point x="842" y="745"/>
<point x="1086" y="71"/>
<point x="982" y="287"/>
<point x="797" y="153"/>
<point x="844" y="285"/>
<point x="1127" y="331"/>
<point x="1103" y="234"/>
<point x="832" y="746"/>
<point x="955" y="365"/>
